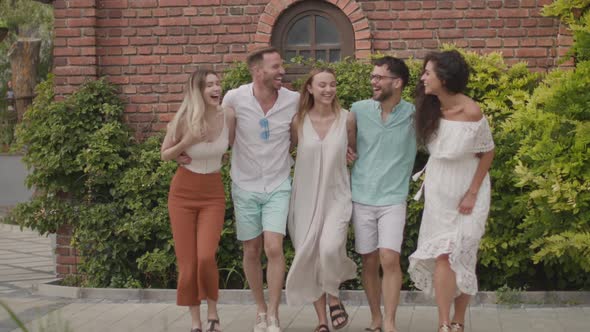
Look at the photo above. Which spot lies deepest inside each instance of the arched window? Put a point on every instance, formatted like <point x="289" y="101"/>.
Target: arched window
<point x="314" y="29"/>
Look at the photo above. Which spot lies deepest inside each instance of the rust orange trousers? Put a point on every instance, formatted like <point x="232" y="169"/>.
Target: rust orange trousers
<point x="196" y="204"/>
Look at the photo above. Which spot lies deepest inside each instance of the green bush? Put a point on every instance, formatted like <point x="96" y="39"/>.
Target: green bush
<point x="553" y="170"/>
<point x="91" y="174"/>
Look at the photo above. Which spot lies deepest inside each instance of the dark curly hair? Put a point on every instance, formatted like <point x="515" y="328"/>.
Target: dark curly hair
<point x="453" y="71"/>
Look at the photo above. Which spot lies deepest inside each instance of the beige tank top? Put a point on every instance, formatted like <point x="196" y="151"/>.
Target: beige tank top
<point x="206" y="156"/>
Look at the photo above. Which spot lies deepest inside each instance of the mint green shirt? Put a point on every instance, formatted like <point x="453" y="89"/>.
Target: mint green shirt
<point x="385" y="153"/>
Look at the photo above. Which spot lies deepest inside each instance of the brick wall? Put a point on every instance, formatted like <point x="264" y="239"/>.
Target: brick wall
<point x="149" y="47"/>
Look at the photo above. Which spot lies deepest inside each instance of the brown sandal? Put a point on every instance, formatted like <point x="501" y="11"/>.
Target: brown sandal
<point x="212" y="323"/>
<point x="322" y="328"/>
<point x="457" y="327"/>
<point x="444" y="328"/>
<point x="334" y="316"/>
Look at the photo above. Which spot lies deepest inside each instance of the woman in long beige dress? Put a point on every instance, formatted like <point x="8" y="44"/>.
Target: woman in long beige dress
<point x="321" y="203"/>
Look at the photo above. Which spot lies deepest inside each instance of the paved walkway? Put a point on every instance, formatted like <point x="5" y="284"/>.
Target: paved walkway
<point x="25" y="259"/>
<point x="12" y="178"/>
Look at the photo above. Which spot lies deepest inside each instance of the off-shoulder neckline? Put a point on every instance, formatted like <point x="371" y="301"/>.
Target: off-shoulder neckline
<point x="457" y="121"/>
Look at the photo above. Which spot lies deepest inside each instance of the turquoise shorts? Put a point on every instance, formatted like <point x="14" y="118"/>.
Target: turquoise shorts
<point x="257" y="212"/>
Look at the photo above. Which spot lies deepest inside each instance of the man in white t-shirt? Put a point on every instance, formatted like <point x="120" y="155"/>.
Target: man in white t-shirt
<point x="260" y="172"/>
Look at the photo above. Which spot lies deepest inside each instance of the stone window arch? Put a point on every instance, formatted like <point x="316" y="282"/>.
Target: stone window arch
<point x="314" y="29"/>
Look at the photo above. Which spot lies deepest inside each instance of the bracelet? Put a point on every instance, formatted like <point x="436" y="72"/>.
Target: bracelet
<point x="471" y="193"/>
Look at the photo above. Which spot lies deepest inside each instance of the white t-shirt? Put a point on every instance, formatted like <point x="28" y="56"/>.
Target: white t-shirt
<point x="260" y="155"/>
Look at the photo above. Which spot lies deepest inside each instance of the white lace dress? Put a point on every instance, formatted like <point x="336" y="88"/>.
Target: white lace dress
<point x="443" y="230"/>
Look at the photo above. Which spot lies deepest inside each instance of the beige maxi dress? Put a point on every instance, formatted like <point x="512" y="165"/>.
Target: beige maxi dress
<point x="319" y="214"/>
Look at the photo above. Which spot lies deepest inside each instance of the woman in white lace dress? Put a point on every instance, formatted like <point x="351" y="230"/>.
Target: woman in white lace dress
<point x="321" y="203"/>
<point x="456" y="186"/>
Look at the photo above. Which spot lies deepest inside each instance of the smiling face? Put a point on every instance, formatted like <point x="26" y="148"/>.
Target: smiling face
<point x="270" y="71"/>
<point x="432" y="84"/>
<point x="323" y="88"/>
<point x="383" y="83"/>
<point x="212" y="90"/>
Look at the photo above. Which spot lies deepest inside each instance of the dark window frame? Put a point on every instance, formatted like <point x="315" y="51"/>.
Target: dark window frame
<point x="314" y="8"/>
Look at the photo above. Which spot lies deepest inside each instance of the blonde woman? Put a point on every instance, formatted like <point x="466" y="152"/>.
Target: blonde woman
<point x="202" y="130"/>
<point x="321" y="203"/>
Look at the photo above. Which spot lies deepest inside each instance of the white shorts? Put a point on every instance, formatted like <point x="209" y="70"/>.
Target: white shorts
<point x="378" y="227"/>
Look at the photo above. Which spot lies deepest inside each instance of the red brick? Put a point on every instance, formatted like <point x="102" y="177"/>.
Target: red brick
<point x="145" y="60"/>
<point x="173" y="3"/>
<point x="174" y="40"/>
<point x="205" y="2"/>
<point x="174" y="21"/>
<point x="450" y="33"/>
<point x="143" y="3"/>
<point x="177" y="59"/>
<point x="67" y="260"/>
<point x="205" y="58"/>
<point x="531" y="52"/>
<point x="143" y="22"/>
<point x="82" y="61"/>
<point x="415" y="15"/>
<point x="262" y="38"/>
<point x="226" y="39"/>
<point x="541" y="32"/>
<point x="143" y="99"/>
<point x="480" y="14"/>
<point x="512" y="32"/>
<point x="205" y="20"/>
<point x="477" y="43"/>
<point x="447" y="14"/>
<point x="114" y="61"/>
<point x="461" y="4"/>
<point x="86" y="41"/>
<point x="65" y="32"/>
<point x="235" y="19"/>
<point x="480" y="33"/>
<point x="62" y="270"/>
<point x="123" y="22"/>
<point x="513" y="13"/>
<point x="424" y="34"/>
<point x="81" y="22"/>
<point x="143" y="41"/>
<point x="493" y="42"/>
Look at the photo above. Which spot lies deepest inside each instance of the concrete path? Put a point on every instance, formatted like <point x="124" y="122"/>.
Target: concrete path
<point x="25" y="259"/>
<point x="12" y="181"/>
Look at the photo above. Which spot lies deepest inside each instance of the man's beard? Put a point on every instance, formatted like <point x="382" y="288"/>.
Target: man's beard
<point x="383" y="95"/>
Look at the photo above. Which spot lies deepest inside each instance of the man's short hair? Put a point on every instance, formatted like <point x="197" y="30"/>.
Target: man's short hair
<point x="256" y="57"/>
<point x="395" y="66"/>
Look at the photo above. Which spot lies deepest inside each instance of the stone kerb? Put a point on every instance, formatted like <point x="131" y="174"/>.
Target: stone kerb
<point x="353" y="297"/>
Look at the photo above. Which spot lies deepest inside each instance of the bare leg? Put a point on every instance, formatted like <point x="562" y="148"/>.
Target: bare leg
<point x="320" y="309"/>
<point x="195" y="311"/>
<point x="253" y="271"/>
<point x="444" y="288"/>
<point x="372" y="285"/>
<point x="461" y="303"/>
<point x="212" y="309"/>
<point x="275" y="274"/>
<point x="392" y="283"/>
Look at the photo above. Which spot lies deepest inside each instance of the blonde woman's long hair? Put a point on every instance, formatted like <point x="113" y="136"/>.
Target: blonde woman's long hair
<point x="306" y="101"/>
<point x="191" y="114"/>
